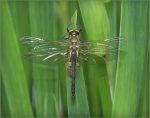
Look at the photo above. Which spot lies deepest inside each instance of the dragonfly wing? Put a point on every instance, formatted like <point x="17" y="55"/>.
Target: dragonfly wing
<point x="115" y="40"/>
<point x="45" y="49"/>
<point x="92" y="50"/>
<point x="83" y="58"/>
<point x="35" y="42"/>
<point x="104" y="47"/>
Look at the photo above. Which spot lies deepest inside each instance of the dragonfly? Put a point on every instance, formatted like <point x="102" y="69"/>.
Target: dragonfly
<point x="74" y="50"/>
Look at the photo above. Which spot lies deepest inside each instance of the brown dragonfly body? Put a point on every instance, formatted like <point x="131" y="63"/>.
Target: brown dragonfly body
<point x="73" y="55"/>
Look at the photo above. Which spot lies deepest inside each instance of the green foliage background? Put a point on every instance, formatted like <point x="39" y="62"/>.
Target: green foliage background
<point x="117" y="88"/>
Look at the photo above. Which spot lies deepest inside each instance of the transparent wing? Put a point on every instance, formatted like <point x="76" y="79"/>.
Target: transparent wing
<point x="45" y="49"/>
<point x="100" y="48"/>
<point x="103" y="47"/>
<point x="41" y="43"/>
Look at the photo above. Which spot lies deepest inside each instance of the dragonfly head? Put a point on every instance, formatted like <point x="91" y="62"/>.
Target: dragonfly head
<point x="74" y="32"/>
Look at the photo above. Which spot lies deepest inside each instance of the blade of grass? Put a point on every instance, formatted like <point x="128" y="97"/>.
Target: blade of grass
<point x="20" y="18"/>
<point x="63" y="23"/>
<point x="14" y="78"/>
<point x="144" y="98"/>
<point x="5" y="111"/>
<point x="113" y="10"/>
<point x="1" y="112"/>
<point x="43" y="20"/>
<point x="96" y="24"/>
<point x="132" y="66"/>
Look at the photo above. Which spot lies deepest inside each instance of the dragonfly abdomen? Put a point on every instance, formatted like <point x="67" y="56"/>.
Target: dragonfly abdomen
<point x="73" y="87"/>
<point x="72" y="70"/>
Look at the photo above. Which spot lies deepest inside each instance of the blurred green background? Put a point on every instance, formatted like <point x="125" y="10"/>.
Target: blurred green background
<point x="117" y="88"/>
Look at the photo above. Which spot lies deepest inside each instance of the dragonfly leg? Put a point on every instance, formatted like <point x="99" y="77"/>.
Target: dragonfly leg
<point x="68" y="64"/>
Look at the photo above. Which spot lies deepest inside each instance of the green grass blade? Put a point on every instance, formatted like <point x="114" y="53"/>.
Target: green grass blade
<point x="95" y="19"/>
<point x="13" y="74"/>
<point x="5" y="111"/>
<point x="63" y="21"/>
<point x="113" y="10"/>
<point x="96" y="25"/>
<point x="1" y="112"/>
<point x="133" y="65"/>
<point x="144" y="98"/>
<point x="45" y="77"/>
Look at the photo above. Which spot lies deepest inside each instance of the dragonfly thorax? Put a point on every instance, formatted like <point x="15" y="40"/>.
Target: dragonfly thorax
<point x="73" y="40"/>
<point x="74" y="44"/>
